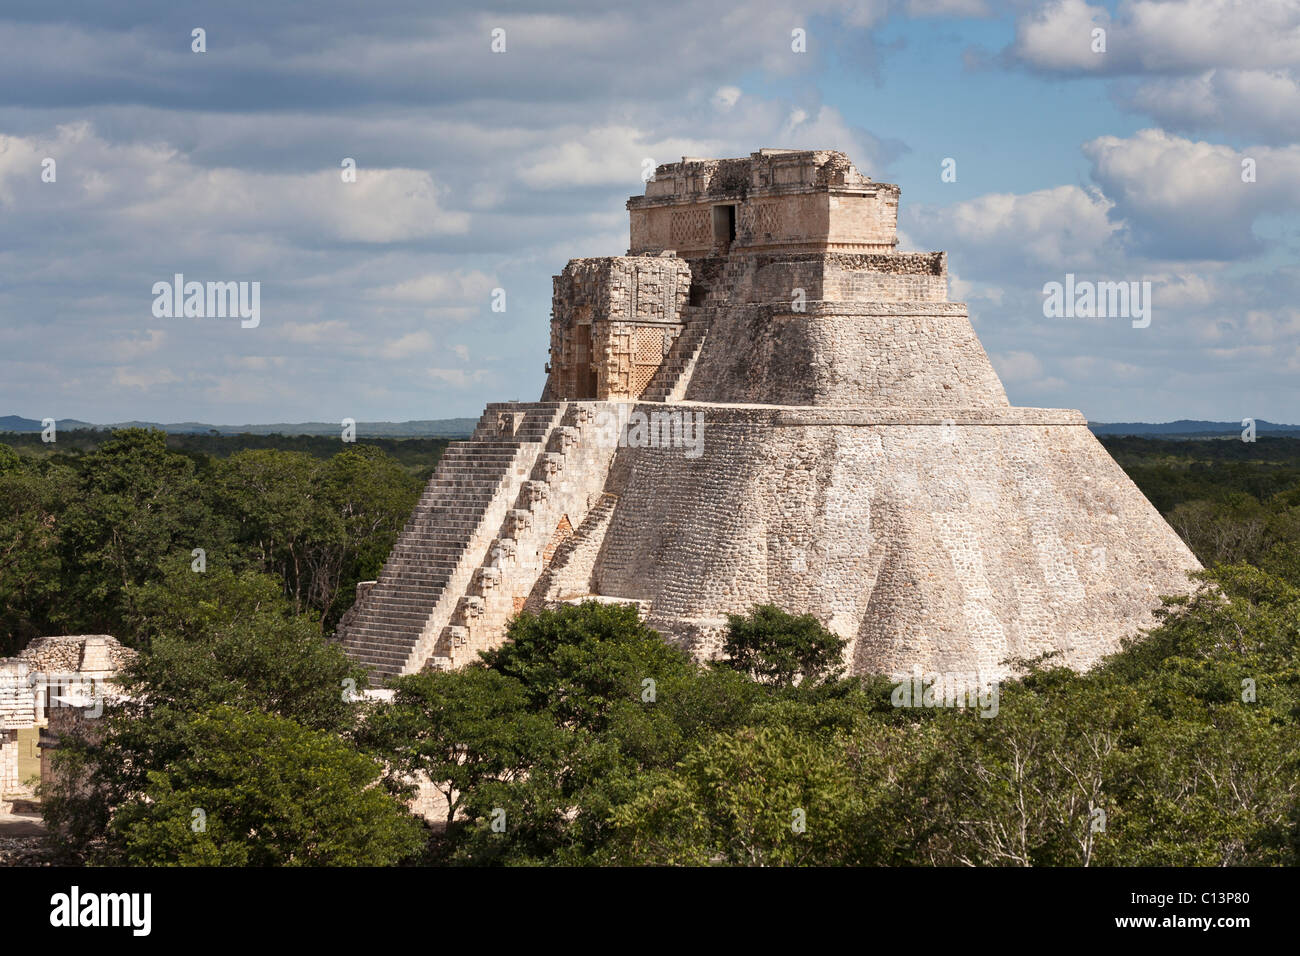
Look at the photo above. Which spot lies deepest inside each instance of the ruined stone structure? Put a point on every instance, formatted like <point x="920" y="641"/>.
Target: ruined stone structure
<point x="50" y="689"/>
<point x="764" y="402"/>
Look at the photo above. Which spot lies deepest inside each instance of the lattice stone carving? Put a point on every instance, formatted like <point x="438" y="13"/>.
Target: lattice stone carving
<point x="648" y="346"/>
<point x="690" y="225"/>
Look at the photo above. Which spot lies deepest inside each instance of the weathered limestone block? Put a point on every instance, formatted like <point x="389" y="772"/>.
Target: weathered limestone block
<point x="553" y="463"/>
<point x="508" y="423"/>
<point x="535" y="493"/>
<point x="518" y="522"/>
<point x="879" y="354"/>
<point x="612" y="321"/>
<point x="55" y="686"/>
<point x="797" y="200"/>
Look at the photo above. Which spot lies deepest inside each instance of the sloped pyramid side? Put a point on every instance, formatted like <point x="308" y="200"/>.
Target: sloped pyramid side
<point x="875" y="331"/>
<point x="933" y="545"/>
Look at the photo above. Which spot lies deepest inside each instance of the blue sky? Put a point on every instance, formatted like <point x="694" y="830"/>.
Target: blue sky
<point x="479" y="170"/>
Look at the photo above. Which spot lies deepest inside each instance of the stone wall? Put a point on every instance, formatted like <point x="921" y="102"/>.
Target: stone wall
<point x="563" y="488"/>
<point x="53" y="684"/>
<point x="807" y="222"/>
<point x="950" y="544"/>
<point x="795" y="200"/>
<point x="613" y="321"/>
<point x="18" y="711"/>
<point x="484" y="537"/>
<point x="851" y="219"/>
<point x="887" y="277"/>
<point x="922" y="355"/>
<point x="90" y="654"/>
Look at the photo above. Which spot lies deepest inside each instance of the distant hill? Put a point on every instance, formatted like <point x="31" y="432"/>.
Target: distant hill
<point x="16" y="423"/>
<point x="1187" y="428"/>
<point x="425" y="428"/>
<point x="462" y="427"/>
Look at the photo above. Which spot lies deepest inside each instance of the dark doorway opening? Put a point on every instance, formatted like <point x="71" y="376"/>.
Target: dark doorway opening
<point x="584" y="374"/>
<point x="724" y="226"/>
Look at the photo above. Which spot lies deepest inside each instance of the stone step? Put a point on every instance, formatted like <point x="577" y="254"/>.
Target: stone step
<point x="433" y="544"/>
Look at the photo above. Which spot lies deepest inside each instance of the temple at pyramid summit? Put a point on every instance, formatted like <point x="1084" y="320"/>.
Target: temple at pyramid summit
<point x="765" y="402"/>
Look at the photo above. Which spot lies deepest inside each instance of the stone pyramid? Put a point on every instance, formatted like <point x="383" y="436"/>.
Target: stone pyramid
<point x="764" y="402"/>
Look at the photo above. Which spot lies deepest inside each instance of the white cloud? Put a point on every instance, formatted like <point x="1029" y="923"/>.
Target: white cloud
<point x="1185" y="290"/>
<point x="458" y="377"/>
<point x="725" y="97"/>
<point x="601" y="155"/>
<point x="124" y="377"/>
<point x="1263" y="103"/>
<point x="383" y="205"/>
<point x="1017" y="367"/>
<point x="1199" y="64"/>
<point x="1187" y="197"/>
<point x="315" y="333"/>
<point x="407" y="346"/>
<point x="1160" y="36"/>
<point x="134" y="346"/>
<point x="443" y="288"/>
<point x="157" y="188"/>
<point x="1065" y="227"/>
<point x="1059" y="36"/>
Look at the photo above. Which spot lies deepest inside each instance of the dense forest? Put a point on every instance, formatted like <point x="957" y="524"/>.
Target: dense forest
<point x="87" y="531"/>
<point x="586" y="739"/>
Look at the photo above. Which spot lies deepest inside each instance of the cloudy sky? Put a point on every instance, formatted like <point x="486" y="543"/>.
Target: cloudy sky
<point x="479" y="170"/>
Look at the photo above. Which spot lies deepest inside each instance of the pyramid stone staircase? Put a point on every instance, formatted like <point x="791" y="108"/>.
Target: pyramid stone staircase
<point x="446" y="537"/>
<point x="674" y="375"/>
<point x="669" y="381"/>
<point x="484" y="531"/>
<point x="562" y="489"/>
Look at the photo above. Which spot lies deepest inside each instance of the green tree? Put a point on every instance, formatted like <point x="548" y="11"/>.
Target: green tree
<point x="32" y="497"/>
<point x="368" y="497"/>
<point x="781" y="650"/>
<point x="321" y="526"/>
<point x="460" y="729"/>
<point x="252" y="789"/>
<point x="225" y="638"/>
<point x="587" y="700"/>
<point x="139" y="505"/>
<point x="215" y="640"/>
<point x="268" y="498"/>
<point x="755" y="797"/>
<point x="586" y="663"/>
